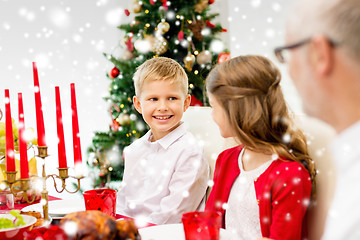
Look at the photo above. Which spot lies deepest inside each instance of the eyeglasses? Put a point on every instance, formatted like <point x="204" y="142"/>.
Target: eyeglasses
<point x="282" y="53"/>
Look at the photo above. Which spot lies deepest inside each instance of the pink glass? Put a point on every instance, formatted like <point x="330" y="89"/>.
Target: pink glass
<point x="103" y="200"/>
<point x="202" y="225"/>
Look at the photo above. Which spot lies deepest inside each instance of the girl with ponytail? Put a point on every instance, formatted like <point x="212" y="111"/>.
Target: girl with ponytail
<point x="262" y="186"/>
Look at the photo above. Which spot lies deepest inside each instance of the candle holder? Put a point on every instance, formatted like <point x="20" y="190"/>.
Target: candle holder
<point x="25" y="183"/>
<point x="11" y="177"/>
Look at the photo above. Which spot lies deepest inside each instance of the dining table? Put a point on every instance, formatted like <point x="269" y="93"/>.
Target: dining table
<point x="20" y="205"/>
<point x="148" y="231"/>
<point x="55" y="221"/>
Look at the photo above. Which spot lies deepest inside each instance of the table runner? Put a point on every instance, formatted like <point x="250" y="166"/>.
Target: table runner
<point x="20" y="206"/>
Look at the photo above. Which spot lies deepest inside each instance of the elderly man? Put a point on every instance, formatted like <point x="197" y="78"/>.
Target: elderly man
<point x="323" y="56"/>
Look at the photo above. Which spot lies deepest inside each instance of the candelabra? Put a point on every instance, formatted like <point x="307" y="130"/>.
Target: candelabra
<point x="25" y="183"/>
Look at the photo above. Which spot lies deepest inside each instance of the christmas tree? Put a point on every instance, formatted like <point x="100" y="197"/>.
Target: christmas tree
<point x="181" y="30"/>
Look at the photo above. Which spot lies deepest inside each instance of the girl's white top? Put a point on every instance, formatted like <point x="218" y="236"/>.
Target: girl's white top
<point x="242" y="214"/>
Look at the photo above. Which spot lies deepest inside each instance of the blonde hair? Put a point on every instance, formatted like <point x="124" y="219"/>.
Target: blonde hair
<point x="247" y="87"/>
<point x="339" y="20"/>
<point x="160" y="68"/>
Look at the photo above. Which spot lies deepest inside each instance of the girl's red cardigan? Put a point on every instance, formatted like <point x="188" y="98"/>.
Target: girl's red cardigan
<point x="283" y="194"/>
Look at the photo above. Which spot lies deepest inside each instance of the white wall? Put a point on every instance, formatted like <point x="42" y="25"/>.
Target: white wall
<point x="256" y="27"/>
<point x="67" y="38"/>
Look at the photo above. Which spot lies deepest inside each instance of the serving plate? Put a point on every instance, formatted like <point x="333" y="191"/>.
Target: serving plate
<point x="59" y="208"/>
<point x="16" y="232"/>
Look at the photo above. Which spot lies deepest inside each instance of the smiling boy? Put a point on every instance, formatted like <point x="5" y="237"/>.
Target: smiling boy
<point x="166" y="172"/>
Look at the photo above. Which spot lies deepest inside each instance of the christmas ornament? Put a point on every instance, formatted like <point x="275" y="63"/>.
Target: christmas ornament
<point x="159" y="45"/>
<point x="126" y="55"/>
<point x="196" y="27"/>
<point x="114" y="72"/>
<point x="189" y="61"/>
<point x="140" y="126"/>
<point x="163" y="27"/>
<point x="129" y="44"/>
<point x="209" y="24"/>
<point x="100" y="161"/>
<point x="181" y="35"/>
<point x="133" y="117"/>
<point x="143" y="45"/>
<point x="123" y="41"/>
<point x="115" y="125"/>
<point x="206" y="31"/>
<point x="201" y="6"/>
<point x="92" y="159"/>
<point x="223" y="57"/>
<point x="211" y="1"/>
<point x="204" y="57"/>
<point x="123" y="119"/>
<point x="104" y="170"/>
<point x="165" y="6"/>
<point x="195" y="102"/>
<point x="136" y="7"/>
<point x="127" y="12"/>
<point x="152" y="2"/>
<point x="114" y="155"/>
<point x="217" y="46"/>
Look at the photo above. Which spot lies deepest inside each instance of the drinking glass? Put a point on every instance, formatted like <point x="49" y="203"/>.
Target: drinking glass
<point x="7" y="198"/>
<point x="202" y="225"/>
<point x="103" y="200"/>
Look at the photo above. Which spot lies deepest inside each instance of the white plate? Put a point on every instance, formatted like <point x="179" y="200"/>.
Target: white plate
<point x="29" y="220"/>
<point x="16" y="232"/>
<point x="170" y="231"/>
<point x="59" y="208"/>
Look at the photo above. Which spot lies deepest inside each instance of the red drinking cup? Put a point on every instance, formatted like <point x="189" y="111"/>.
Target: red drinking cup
<point x="103" y="200"/>
<point x="202" y="225"/>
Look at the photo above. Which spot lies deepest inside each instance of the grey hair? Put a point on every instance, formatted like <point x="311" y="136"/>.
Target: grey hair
<point x="339" y="20"/>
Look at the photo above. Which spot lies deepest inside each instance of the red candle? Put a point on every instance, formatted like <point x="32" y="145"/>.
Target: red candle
<point x="24" y="164"/>
<point x="38" y="108"/>
<point x="75" y="127"/>
<point x="10" y="156"/>
<point x="60" y="130"/>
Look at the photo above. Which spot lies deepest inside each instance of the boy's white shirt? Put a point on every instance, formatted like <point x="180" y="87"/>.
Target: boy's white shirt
<point x="163" y="179"/>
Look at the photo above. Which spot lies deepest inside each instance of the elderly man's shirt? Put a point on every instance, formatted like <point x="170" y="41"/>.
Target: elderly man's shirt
<point x="343" y="221"/>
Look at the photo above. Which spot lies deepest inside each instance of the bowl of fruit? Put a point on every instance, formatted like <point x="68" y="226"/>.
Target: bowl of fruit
<point x="13" y="224"/>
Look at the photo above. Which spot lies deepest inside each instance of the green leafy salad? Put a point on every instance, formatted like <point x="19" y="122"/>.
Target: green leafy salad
<point x="7" y="223"/>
